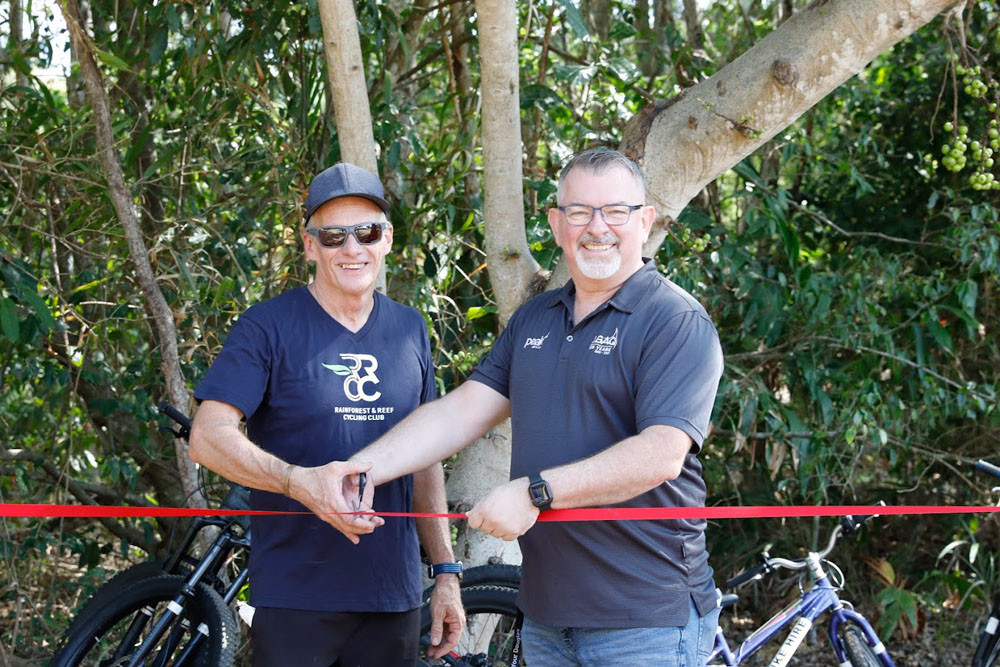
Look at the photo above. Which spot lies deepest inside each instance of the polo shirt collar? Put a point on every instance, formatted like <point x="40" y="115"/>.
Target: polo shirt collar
<point x="627" y="298"/>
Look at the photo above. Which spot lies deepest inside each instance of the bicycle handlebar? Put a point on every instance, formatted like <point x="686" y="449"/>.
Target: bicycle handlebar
<point x="749" y="575"/>
<point x="848" y="526"/>
<point x="851" y="524"/>
<point x="177" y="416"/>
<point x="986" y="466"/>
<point x="238" y="497"/>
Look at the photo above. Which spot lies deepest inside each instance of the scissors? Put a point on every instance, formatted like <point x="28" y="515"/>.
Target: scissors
<point x="362" y="478"/>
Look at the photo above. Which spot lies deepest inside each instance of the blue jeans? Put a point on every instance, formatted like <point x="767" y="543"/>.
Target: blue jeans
<point x="687" y="646"/>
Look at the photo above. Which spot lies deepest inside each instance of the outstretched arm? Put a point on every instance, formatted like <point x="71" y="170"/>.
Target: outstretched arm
<point x="435" y="431"/>
<point x="620" y="472"/>
<point x="218" y="444"/>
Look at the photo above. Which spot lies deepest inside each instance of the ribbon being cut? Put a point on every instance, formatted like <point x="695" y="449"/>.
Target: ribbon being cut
<point x="581" y="514"/>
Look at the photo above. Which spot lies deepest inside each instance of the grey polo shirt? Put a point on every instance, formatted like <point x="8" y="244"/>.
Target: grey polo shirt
<point x="649" y="355"/>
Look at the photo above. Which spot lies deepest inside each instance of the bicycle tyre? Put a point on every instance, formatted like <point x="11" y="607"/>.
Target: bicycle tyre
<point x="111" y="590"/>
<point x="488" y="638"/>
<point x="99" y="636"/>
<point x="859" y="653"/>
<point x="501" y="574"/>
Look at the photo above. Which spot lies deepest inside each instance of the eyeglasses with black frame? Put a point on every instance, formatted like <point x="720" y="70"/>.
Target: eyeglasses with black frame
<point x="334" y="236"/>
<point x="579" y="215"/>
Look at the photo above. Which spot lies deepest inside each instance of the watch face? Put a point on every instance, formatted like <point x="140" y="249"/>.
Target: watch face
<point x="540" y="494"/>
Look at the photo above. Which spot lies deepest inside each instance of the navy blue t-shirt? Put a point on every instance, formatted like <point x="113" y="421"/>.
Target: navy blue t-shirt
<point x="313" y="392"/>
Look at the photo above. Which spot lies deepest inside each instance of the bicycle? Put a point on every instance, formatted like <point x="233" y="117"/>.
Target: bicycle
<point x="176" y="611"/>
<point x="852" y="637"/>
<point x="988" y="649"/>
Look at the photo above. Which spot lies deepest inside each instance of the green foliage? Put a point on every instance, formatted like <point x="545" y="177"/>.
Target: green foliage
<point x="853" y="281"/>
<point x="898" y="604"/>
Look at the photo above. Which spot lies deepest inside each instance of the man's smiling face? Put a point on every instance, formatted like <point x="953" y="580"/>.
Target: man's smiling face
<point x="353" y="268"/>
<point x="598" y="252"/>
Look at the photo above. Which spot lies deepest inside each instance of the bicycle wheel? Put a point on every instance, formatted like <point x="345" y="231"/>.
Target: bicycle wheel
<point x="203" y="634"/>
<point x="502" y="575"/>
<point x="859" y="653"/>
<point x="488" y="638"/>
<point x="112" y="589"/>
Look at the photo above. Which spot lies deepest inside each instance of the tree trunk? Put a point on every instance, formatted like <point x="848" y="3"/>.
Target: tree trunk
<point x="346" y="74"/>
<point x="479" y="468"/>
<point x="599" y="17"/>
<point x="16" y="35"/>
<point x="784" y="10"/>
<point x="401" y="51"/>
<point x="163" y="321"/>
<point x="468" y="97"/>
<point x="511" y="266"/>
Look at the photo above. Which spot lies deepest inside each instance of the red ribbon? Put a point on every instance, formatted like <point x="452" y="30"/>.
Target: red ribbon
<point x="582" y="514"/>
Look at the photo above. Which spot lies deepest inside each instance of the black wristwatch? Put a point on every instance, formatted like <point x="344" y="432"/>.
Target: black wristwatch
<point x="540" y="492"/>
<point x="445" y="568"/>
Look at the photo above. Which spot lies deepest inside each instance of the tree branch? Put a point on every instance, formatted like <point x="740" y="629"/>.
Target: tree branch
<point x="85" y="494"/>
<point x="771" y="84"/>
<point x="124" y="208"/>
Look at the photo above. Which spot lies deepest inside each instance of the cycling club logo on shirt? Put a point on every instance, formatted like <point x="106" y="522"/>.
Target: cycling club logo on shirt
<point x="604" y="344"/>
<point x="534" y="343"/>
<point x="359" y="374"/>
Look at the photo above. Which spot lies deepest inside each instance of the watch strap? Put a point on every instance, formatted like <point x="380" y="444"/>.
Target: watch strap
<point x="445" y="568"/>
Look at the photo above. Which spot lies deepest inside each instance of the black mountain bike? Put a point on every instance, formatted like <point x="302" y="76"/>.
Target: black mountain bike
<point x="988" y="651"/>
<point x="178" y="611"/>
<point x="170" y="612"/>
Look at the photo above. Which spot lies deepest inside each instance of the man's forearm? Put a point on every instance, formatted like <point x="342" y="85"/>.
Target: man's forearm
<point x="621" y="472"/>
<point x="434" y="431"/>
<point x="218" y="444"/>
<point x="429" y="498"/>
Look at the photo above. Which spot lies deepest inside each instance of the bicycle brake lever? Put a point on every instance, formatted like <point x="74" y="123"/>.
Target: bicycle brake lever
<point x="177" y="433"/>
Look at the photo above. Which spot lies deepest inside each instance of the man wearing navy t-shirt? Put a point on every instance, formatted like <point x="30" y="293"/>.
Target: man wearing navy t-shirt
<point x="317" y="373"/>
<point x="609" y="383"/>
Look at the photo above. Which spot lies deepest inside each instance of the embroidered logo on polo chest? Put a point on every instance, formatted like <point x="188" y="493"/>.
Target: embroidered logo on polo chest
<point x="604" y="344"/>
<point x="535" y="343"/>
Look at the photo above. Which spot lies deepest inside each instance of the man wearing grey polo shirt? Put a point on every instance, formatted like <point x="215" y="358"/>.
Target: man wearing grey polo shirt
<point x="609" y="383"/>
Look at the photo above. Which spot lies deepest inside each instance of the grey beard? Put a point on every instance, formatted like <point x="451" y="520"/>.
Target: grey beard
<point x="597" y="269"/>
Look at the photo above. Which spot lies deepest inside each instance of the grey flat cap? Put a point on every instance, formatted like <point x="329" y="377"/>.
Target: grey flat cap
<point x="344" y="180"/>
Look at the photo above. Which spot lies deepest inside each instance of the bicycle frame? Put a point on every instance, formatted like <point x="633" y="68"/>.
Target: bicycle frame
<point x="222" y="547"/>
<point x="803" y="612"/>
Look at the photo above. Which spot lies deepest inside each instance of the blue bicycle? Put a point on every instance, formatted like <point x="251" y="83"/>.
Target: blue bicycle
<point x="853" y="638"/>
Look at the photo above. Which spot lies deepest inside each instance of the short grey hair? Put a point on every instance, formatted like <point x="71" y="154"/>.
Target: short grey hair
<point x="600" y="161"/>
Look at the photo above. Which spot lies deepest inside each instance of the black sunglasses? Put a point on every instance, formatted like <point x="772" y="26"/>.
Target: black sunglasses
<point x="334" y="236"/>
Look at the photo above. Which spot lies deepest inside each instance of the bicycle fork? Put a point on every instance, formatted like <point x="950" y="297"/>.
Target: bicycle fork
<point x="177" y="606"/>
